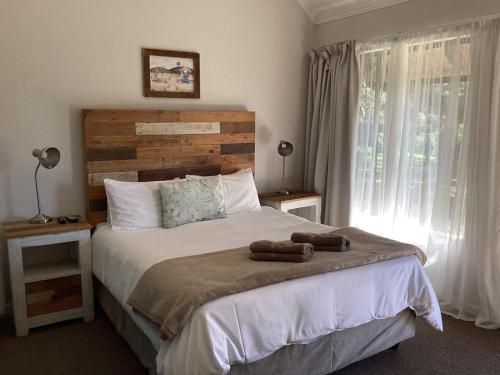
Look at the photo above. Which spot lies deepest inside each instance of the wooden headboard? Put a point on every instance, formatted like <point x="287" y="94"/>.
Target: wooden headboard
<point x="152" y="145"/>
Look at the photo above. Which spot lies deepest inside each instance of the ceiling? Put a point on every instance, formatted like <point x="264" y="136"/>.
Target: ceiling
<point x="321" y="11"/>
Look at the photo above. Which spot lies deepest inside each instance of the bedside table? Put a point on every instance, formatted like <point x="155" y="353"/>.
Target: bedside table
<point x="294" y="200"/>
<point x="49" y="291"/>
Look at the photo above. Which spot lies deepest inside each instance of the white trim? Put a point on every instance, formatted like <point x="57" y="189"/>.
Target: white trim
<point x="58" y="316"/>
<point x="306" y="5"/>
<point x="49" y="239"/>
<point x="334" y="11"/>
<point x="433" y="28"/>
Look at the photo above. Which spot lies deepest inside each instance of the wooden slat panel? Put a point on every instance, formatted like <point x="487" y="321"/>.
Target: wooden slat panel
<point x="217" y="139"/>
<point x="167" y="141"/>
<point x="233" y="168"/>
<point x="217" y="116"/>
<point x="99" y="204"/>
<point x="97" y="179"/>
<point x="237" y="148"/>
<point x="164" y="128"/>
<point x="237" y="127"/>
<point x="110" y="128"/>
<point x="131" y="141"/>
<point x="165" y="116"/>
<point x="130" y="115"/>
<point x="238" y="158"/>
<point x="96" y="192"/>
<point x="53" y="305"/>
<point x="119" y="153"/>
<point x="168" y="174"/>
<point x="96" y="217"/>
<point x="38" y="297"/>
<point x="60" y="282"/>
<point x="233" y="163"/>
<point x="185" y="150"/>
<point x="150" y="164"/>
<point x="68" y="291"/>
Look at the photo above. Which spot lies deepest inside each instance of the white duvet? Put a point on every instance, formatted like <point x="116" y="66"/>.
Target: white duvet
<point x="248" y="326"/>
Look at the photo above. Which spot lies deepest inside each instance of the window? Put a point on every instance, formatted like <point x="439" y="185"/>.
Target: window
<point x="410" y="128"/>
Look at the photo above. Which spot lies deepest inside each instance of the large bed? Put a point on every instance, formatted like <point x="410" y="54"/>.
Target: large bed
<point x="311" y="325"/>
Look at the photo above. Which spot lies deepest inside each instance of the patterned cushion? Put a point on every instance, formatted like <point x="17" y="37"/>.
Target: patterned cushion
<point x="189" y="201"/>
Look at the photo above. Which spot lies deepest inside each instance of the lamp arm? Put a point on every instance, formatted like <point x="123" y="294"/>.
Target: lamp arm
<point x="283" y="172"/>
<point x="36" y="188"/>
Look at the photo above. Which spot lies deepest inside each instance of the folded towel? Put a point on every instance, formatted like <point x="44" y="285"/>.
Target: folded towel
<point x="280" y="247"/>
<point x="323" y="241"/>
<point x="282" y="257"/>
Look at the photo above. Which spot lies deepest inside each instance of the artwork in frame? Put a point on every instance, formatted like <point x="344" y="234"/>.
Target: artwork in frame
<point x="171" y="74"/>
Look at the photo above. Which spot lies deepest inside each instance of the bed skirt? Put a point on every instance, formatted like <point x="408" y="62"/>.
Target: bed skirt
<point x="323" y="356"/>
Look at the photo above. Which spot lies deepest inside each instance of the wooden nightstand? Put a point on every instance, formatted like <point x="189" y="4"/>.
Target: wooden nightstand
<point x="294" y="200"/>
<point x="46" y="292"/>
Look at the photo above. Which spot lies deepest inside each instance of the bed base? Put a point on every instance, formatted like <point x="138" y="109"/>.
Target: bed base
<point x="322" y="356"/>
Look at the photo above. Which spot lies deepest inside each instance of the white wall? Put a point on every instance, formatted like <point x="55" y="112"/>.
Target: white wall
<point x="410" y="16"/>
<point x="59" y="56"/>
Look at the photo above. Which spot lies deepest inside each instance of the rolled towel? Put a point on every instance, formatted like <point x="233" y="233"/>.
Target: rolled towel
<point x="280" y="247"/>
<point x="323" y="241"/>
<point x="282" y="257"/>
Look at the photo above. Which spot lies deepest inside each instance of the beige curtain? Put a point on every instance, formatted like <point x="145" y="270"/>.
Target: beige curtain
<point x="332" y="110"/>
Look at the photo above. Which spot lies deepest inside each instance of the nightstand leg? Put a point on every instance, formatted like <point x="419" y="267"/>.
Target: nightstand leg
<point x="17" y="286"/>
<point x="317" y="209"/>
<point x="84" y="256"/>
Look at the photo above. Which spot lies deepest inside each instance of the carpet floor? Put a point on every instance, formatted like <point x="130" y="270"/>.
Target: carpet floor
<point x="95" y="348"/>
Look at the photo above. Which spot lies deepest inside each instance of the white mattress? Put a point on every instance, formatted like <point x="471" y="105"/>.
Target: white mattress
<point x="249" y="326"/>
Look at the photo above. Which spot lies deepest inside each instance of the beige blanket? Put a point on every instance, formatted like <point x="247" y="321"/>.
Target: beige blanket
<point x="169" y="291"/>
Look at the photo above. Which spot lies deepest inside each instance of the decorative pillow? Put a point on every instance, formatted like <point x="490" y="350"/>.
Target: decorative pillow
<point x="192" y="200"/>
<point x="134" y="205"/>
<point x="240" y="193"/>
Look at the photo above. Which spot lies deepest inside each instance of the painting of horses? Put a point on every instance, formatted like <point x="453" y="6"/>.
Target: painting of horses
<point x="173" y="74"/>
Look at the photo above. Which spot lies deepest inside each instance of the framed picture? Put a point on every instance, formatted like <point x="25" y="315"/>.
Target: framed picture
<point x="171" y="74"/>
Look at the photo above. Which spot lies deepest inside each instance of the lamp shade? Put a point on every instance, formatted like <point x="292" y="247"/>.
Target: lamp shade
<point x="48" y="156"/>
<point x="285" y="148"/>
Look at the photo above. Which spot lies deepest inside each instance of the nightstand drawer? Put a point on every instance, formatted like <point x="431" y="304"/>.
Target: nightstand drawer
<point x="49" y="296"/>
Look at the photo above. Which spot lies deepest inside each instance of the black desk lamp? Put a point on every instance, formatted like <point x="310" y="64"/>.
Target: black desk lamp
<point x="47" y="158"/>
<point x="284" y="149"/>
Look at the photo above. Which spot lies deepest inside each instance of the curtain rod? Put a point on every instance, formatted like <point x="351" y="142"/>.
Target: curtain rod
<point x="428" y="28"/>
<point x="436" y="27"/>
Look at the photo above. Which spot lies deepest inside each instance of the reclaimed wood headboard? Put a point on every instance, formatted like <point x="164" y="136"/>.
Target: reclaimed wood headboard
<point x="153" y="145"/>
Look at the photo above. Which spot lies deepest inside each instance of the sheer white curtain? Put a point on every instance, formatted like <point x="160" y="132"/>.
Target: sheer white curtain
<point x="471" y="262"/>
<point x="426" y="130"/>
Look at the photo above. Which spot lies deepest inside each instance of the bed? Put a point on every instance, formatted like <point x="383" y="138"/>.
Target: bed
<point x="312" y="325"/>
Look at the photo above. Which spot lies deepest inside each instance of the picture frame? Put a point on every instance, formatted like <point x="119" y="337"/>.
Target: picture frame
<point x="171" y="74"/>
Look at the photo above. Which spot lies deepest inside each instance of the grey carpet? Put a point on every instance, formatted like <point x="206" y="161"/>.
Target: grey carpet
<point x="463" y="349"/>
<point x="95" y="348"/>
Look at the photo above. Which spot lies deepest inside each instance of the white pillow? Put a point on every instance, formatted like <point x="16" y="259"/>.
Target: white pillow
<point x="133" y="205"/>
<point x="240" y="193"/>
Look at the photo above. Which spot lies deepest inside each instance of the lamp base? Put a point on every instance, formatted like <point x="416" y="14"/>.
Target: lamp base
<point x="40" y="219"/>
<point x="284" y="191"/>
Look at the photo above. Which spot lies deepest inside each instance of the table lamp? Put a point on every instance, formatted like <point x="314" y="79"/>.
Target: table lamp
<point x="48" y="157"/>
<point x="284" y="149"/>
